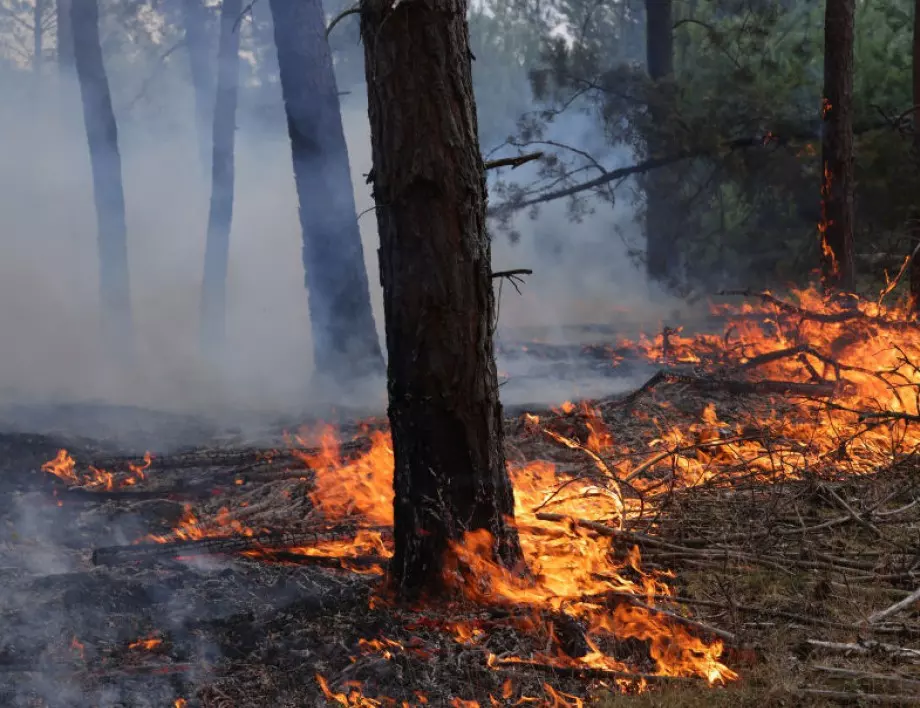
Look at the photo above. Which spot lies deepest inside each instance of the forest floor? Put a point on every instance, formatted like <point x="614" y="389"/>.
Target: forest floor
<point x="248" y="573"/>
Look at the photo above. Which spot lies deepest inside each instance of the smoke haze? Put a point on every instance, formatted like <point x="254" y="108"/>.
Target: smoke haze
<point x="49" y="318"/>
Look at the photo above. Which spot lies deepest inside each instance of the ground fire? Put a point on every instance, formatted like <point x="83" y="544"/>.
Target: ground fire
<point x="820" y="392"/>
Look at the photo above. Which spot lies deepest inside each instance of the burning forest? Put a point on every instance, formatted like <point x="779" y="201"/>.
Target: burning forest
<point x="754" y="498"/>
<point x="725" y="510"/>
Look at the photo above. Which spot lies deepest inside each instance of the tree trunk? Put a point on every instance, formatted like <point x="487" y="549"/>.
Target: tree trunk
<point x="660" y="234"/>
<point x="914" y="273"/>
<point x="195" y="17"/>
<point x="429" y="187"/>
<point x="836" y="227"/>
<point x="64" y="38"/>
<point x="108" y="191"/>
<point x="38" y="36"/>
<point x="220" y="217"/>
<point x="345" y="341"/>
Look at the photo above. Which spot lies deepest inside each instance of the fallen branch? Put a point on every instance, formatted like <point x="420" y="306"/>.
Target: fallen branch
<point x="733" y="386"/>
<point x="294" y="558"/>
<point x="864" y="675"/>
<point x="861" y="698"/>
<point x="904" y="604"/>
<point x="866" y="647"/>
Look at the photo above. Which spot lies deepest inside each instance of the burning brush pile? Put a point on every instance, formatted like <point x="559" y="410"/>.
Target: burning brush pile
<point x="754" y="505"/>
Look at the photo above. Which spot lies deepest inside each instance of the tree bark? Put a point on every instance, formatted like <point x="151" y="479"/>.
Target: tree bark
<point x="108" y="191"/>
<point x="65" y="56"/>
<point x="660" y="234"/>
<point x="836" y="227"/>
<point x="429" y="187"/>
<point x="345" y="341"/>
<point x="220" y="216"/>
<point x="195" y="18"/>
<point x="914" y="273"/>
<point x="38" y="36"/>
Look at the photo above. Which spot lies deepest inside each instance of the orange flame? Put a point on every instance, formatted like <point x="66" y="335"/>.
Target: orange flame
<point x="63" y="467"/>
<point x="146" y="644"/>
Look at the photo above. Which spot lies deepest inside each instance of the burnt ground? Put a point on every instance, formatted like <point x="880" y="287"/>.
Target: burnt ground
<point x="790" y="569"/>
<point x="69" y="625"/>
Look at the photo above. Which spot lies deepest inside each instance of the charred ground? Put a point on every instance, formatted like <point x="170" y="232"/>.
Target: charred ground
<point x="769" y="516"/>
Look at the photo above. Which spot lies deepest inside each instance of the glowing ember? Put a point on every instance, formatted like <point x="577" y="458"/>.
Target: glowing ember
<point x="78" y="648"/>
<point x="354" y="697"/>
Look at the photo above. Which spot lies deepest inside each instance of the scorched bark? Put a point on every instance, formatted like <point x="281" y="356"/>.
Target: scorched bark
<point x="345" y="339"/>
<point x="220" y="216"/>
<point x="429" y="188"/>
<point x="108" y="191"/>
<point x="837" y="147"/>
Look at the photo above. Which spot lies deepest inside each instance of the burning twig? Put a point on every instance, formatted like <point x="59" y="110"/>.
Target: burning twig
<point x="590" y="672"/>
<point x="222" y="545"/>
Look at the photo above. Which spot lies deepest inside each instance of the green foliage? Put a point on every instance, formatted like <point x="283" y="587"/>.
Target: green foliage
<point x="745" y="69"/>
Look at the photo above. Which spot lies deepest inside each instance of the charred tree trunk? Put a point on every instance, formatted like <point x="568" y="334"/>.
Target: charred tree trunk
<point x="195" y="18"/>
<point x="345" y="341"/>
<point x="65" y="56"/>
<point x="660" y="234"/>
<point x="38" y="35"/>
<point x="108" y="191"/>
<point x="220" y="216"/>
<point x="914" y="274"/>
<point x="429" y="187"/>
<point x="836" y="228"/>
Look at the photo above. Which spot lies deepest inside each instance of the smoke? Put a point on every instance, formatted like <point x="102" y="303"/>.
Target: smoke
<point x="52" y="351"/>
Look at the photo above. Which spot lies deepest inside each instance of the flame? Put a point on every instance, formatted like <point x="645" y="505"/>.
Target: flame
<point x="362" y="487"/>
<point x="825" y="223"/>
<point x="63" y="467"/>
<point x="147" y="644"/>
<point x="180" y="703"/>
<point x="190" y="528"/>
<point x="354" y="697"/>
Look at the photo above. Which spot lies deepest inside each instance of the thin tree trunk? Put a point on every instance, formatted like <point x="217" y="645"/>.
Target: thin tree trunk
<point x="220" y="217"/>
<point x="345" y="341"/>
<point x="660" y="234"/>
<point x="195" y="17"/>
<point x="108" y="191"/>
<point x="64" y="39"/>
<point x="836" y="227"/>
<point x="38" y="36"/>
<point x="915" y="224"/>
<point x="429" y="187"/>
